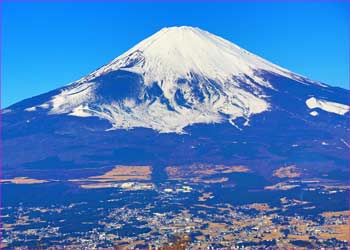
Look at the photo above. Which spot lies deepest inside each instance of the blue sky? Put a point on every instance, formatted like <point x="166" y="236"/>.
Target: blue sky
<point x="47" y="45"/>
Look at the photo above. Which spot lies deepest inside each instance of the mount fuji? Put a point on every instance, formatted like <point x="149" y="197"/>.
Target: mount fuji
<point x="181" y="96"/>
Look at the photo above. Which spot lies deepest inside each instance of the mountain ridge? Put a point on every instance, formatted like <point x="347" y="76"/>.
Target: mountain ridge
<point x="177" y="77"/>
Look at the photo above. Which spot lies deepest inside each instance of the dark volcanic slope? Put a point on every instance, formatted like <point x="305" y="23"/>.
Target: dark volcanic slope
<point x="259" y="118"/>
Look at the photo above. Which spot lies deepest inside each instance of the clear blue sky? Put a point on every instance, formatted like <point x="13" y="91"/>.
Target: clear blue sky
<point x="47" y="45"/>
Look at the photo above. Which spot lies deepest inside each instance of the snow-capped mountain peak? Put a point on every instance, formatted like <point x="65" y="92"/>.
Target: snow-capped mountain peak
<point x="175" y="78"/>
<point x="176" y="52"/>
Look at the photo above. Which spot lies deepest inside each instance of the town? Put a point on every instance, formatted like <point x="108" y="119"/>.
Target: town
<point x="134" y="217"/>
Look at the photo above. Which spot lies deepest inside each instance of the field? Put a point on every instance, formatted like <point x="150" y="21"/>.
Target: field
<point x="203" y="173"/>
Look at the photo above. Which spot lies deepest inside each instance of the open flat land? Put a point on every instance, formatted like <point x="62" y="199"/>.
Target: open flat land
<point x="125" y="173"/>
<point x="287" y="172"/>
<point x="23" y="180"/>
<point x="121" y="176"/>
<point x="204" y="173"/>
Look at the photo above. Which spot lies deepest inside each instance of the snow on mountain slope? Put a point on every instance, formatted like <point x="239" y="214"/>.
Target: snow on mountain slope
<point x="174" y="52"/>
<point x="327" y="106"/>
<point x="177" y="77"/>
